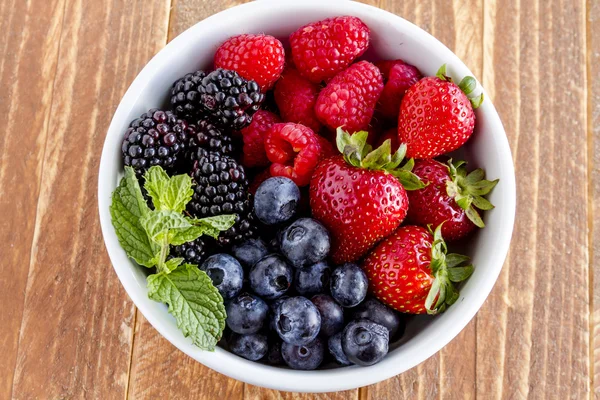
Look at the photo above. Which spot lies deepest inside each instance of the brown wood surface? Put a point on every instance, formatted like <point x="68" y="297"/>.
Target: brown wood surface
<point x="68" y="329"/>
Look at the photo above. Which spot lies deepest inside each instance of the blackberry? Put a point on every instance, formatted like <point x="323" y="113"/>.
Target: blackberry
<point x="194" y="252"/>
<point x="155" y="138"/>
<point x="221" y="187"/>
<point x="185" y="98"/>
<point x="209" y="137"/>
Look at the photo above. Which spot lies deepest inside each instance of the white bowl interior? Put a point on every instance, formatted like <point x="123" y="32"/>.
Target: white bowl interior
<point x="392" y="37"/>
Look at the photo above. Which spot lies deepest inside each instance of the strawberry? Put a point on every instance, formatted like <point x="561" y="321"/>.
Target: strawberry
<point x="436" y="116"/>
<point x="253" y="135"/>
<point x="349" y="99"/>
<point x="398" y="76"/>
<point x="324" y="48"/>
<point x="359" y="196"/>
<point x="255" y="57"/>
<point x="451" y="197"/>
<point x="296" y="97"/>
<point x="411" y="272"/>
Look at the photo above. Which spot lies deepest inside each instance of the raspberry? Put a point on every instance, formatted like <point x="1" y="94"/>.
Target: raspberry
<point x="350" y="97"/>
<point x="296" y="97"/>
<point x="254" y="57"/>
<point x="294" y="151"/>
<point x="254" y="139"/>
<point x="398" y="76"/>
<point x="324" y="48"/>
<point x="258" y="179"/>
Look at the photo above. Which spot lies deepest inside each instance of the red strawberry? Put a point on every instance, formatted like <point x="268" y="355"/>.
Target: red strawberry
<point x="450" y="197"/>
<point x="324" y="48"/>
<point x="436" y="116"/>
<point x="398" y="76"/>
<point x="296" y="97"/>
<point x="294" y="150"/>
<point x="349" y="99"/>
<point x="411" y="272"/>
<point x="257" y="57"/>
<point x="254" y="138"/>
<point x="359" y="197"/>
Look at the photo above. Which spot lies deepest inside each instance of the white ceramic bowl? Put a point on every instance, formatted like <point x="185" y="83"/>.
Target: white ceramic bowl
<point x="392" y="37"/>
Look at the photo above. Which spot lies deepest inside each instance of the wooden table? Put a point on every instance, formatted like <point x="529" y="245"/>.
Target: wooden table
<point x="68" y="329"/>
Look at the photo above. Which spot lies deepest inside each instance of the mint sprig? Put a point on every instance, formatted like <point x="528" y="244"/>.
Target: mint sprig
<point x="146" y="236"/>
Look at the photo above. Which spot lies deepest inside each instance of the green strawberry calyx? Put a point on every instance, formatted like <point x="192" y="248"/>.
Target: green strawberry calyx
<point x="358" y="153"/>
<point x="468" y="189"/>
<point x="446" y="269"/>
<point x="468" y="84"/>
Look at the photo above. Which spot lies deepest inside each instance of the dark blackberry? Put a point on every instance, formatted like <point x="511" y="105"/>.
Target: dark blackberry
<point x="209" y="137"/>
<point x="220" y="188"/>
<point x="155" y="138"/>
<point x="185" y="98"/>
<point x="194" y="252"/>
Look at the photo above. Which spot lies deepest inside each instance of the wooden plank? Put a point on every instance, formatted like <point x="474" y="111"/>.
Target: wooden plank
<point x="29" y="53"/>
<point x="533" y="332"/>
<point x="593" y="79"/>
<point x="76" y="333"/>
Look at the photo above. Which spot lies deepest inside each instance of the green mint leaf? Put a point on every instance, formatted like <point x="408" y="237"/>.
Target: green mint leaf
<point x="173" y="263"/>
<point x="214" y="225"/>
<point x="184" y="235"/>
<point x="160" y="223"/>
<point x="126" y="210"/>
<point x="194" y="302"/>
<point x="168" y="193"/>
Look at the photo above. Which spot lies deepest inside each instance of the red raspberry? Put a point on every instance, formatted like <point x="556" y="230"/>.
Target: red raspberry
<point x="324" y="48"/>
<point x="350" y="97"/>
<point x="398" y="77"/>
<point x="258" y="179"/>
<point x="296" y="97"/>
<point x="254" y="138"/>
<point x="294" y="151"/>
<point x="257" y="57"/>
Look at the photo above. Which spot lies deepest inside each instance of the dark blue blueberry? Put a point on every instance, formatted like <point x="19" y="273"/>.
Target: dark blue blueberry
<point x="252" y="347"/>
<point x="332" y="314"/>
<point x="271" y="277"/>
<point x="335" y="349"/>
<point x="312" y="279"/>
<point x="380" y="314"/>
<point x="297" y="321"/>
<point x="272" y="309"/>
<point x="276" y="200"/>
<point x="305" y="242"/>
<point x="274" y="354"/>
<point x="226" y="274"/>
<point x="246" y="314"/>
<point x="349" y="284"/>
<point x="365" y="342"/>
<point x="249" y="252"/>
<point x="306" y="357"/>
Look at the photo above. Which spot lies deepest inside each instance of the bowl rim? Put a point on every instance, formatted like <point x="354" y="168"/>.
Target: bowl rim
<point x="256" y="373"/>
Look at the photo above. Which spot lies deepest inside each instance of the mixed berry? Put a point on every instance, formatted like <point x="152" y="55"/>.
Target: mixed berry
<point x="333" y="236"/>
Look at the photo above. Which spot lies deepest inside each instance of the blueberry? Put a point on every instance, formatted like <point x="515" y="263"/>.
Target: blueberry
<point x="274" y="354"/>
<point x="297" y="321"/>
<point x="252" y="347"/>
<point x="276" y="200"/>
<point x="312" y="279"/>
<point x="380" y="314"/>
<point x="332" y="314"/>
<point x="226" y="274"/>
<point x="365" y="342"/>
<point x="271" y="277"/>
<point x="250" y="251"/>
<point x="305" y="242"/>
<point x="272" y="309"/>
<point x="306" y="357"/>
<point x="349" y="284"/>
<point x="246" y="314"/>
<point x="335" y="349"/>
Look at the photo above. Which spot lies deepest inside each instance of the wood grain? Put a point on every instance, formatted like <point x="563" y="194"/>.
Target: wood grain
<point x="76" y="332"/>
<point x="593" y="80"/>
<point x="28" y="58"/>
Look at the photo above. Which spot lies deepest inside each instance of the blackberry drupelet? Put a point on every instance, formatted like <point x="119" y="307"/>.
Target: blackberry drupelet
<point x="209" y="137"/>
<point x="194" y="252"/>
<point x="155" y="138"/>
<point x="221" y="187"/>
<point x="185" y="97"/>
